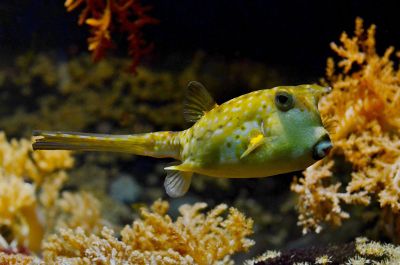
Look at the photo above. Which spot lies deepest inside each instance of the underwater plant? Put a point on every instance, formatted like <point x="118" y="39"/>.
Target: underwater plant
<point x="105" y="17"/>
<point x="364" y="106"/>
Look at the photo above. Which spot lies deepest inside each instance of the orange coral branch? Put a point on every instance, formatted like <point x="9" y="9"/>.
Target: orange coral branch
<point x="365" y="102"/>
<point x="107" y="16"/>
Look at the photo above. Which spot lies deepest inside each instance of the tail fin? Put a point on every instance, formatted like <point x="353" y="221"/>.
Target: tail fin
<point x="158" y="144"/>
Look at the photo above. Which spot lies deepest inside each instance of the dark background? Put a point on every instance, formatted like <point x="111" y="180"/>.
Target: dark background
<point x="292" y="36"/>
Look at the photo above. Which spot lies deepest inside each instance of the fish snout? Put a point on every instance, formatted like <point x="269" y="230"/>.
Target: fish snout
<point x="322" y="148"/>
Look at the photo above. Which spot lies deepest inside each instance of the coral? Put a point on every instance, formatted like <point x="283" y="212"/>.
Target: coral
<point x="371" y="252"/>
<point x="362" y="251"/>
<point x="17" y="212"/>
<point x="19" y="205"/>
<point x="31" y="204"/>
<point x="364" y="105"/>
<point x="269" y="254"/>
<point x="194" y="238"/>
<point x="332" y="255"/>
<point x="17" y="158"/>
<point x="18" y="259"/>
<point x="320" y="202"/>
<point x="81" y="210"/>
<point x="106" y="16"/>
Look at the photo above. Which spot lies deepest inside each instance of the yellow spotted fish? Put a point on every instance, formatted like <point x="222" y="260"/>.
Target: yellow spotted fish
<point x="259" y="134"/>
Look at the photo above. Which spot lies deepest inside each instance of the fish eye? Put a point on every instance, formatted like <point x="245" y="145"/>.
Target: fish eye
<point x="284" y="101"/>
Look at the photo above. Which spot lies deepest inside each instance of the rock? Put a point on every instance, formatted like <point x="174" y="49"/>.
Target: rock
<point x="125" y="189"/>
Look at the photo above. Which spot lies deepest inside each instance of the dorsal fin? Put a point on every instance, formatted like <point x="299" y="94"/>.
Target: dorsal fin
<point x="197" y="102"/>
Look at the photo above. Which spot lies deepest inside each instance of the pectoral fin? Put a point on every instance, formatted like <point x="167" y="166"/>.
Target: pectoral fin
<point x="177" y="182"/>
<point x="255" y="141"/>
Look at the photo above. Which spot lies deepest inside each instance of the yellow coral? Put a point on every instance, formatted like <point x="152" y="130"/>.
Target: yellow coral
<point x="322" y="203"/>
<point x="80" y="210"/>
<point x="17" y="158"/>
<point x="29" y="210"/>
<point x="19" y="259"/>
<point x="18" y="211"/>
<point x="365" y="102"/>
<point x="19" y="207"/>
<point x="194" y="238"/>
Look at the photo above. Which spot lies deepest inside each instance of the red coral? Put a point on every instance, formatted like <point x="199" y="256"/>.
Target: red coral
<point x="107" y="16"/>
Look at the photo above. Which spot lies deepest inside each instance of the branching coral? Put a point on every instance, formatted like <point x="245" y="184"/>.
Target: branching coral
<point x="31" y="204"/>
<point x="79" y="210"/>
<point x="322" y="203"/>
<point x="106" y="16"/>
<point x="365" y="102"/>
<point x="19" y="259"/>
<point x="19" y="210"/>
<point x="194" y="238"/>
<point x="17" y="158"/>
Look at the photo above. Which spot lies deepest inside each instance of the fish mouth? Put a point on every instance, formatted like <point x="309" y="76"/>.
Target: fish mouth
<point x="322" y="148"/>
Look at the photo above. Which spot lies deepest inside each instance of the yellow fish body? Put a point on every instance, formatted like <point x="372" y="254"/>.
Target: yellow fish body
<point x="260" y="134"/>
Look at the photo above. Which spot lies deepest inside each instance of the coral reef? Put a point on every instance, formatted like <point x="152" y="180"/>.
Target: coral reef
<point x="364" y="106"/>
<point x="362" y="251"/>
<point x="32" y="208"/>
<point x="106" y="17"/>
<point x="32" y="211"/>
<point x="77" y="95"/>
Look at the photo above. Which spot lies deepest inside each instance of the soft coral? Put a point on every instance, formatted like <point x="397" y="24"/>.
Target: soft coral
<point x="107" y="16"/>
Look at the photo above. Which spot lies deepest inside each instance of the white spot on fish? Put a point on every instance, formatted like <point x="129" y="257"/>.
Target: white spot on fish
<point x="236" y="109"/>
<point x="218" y="132"/>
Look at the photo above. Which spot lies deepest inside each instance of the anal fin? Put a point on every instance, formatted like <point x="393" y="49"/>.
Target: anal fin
<point x="177" y="182"/>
